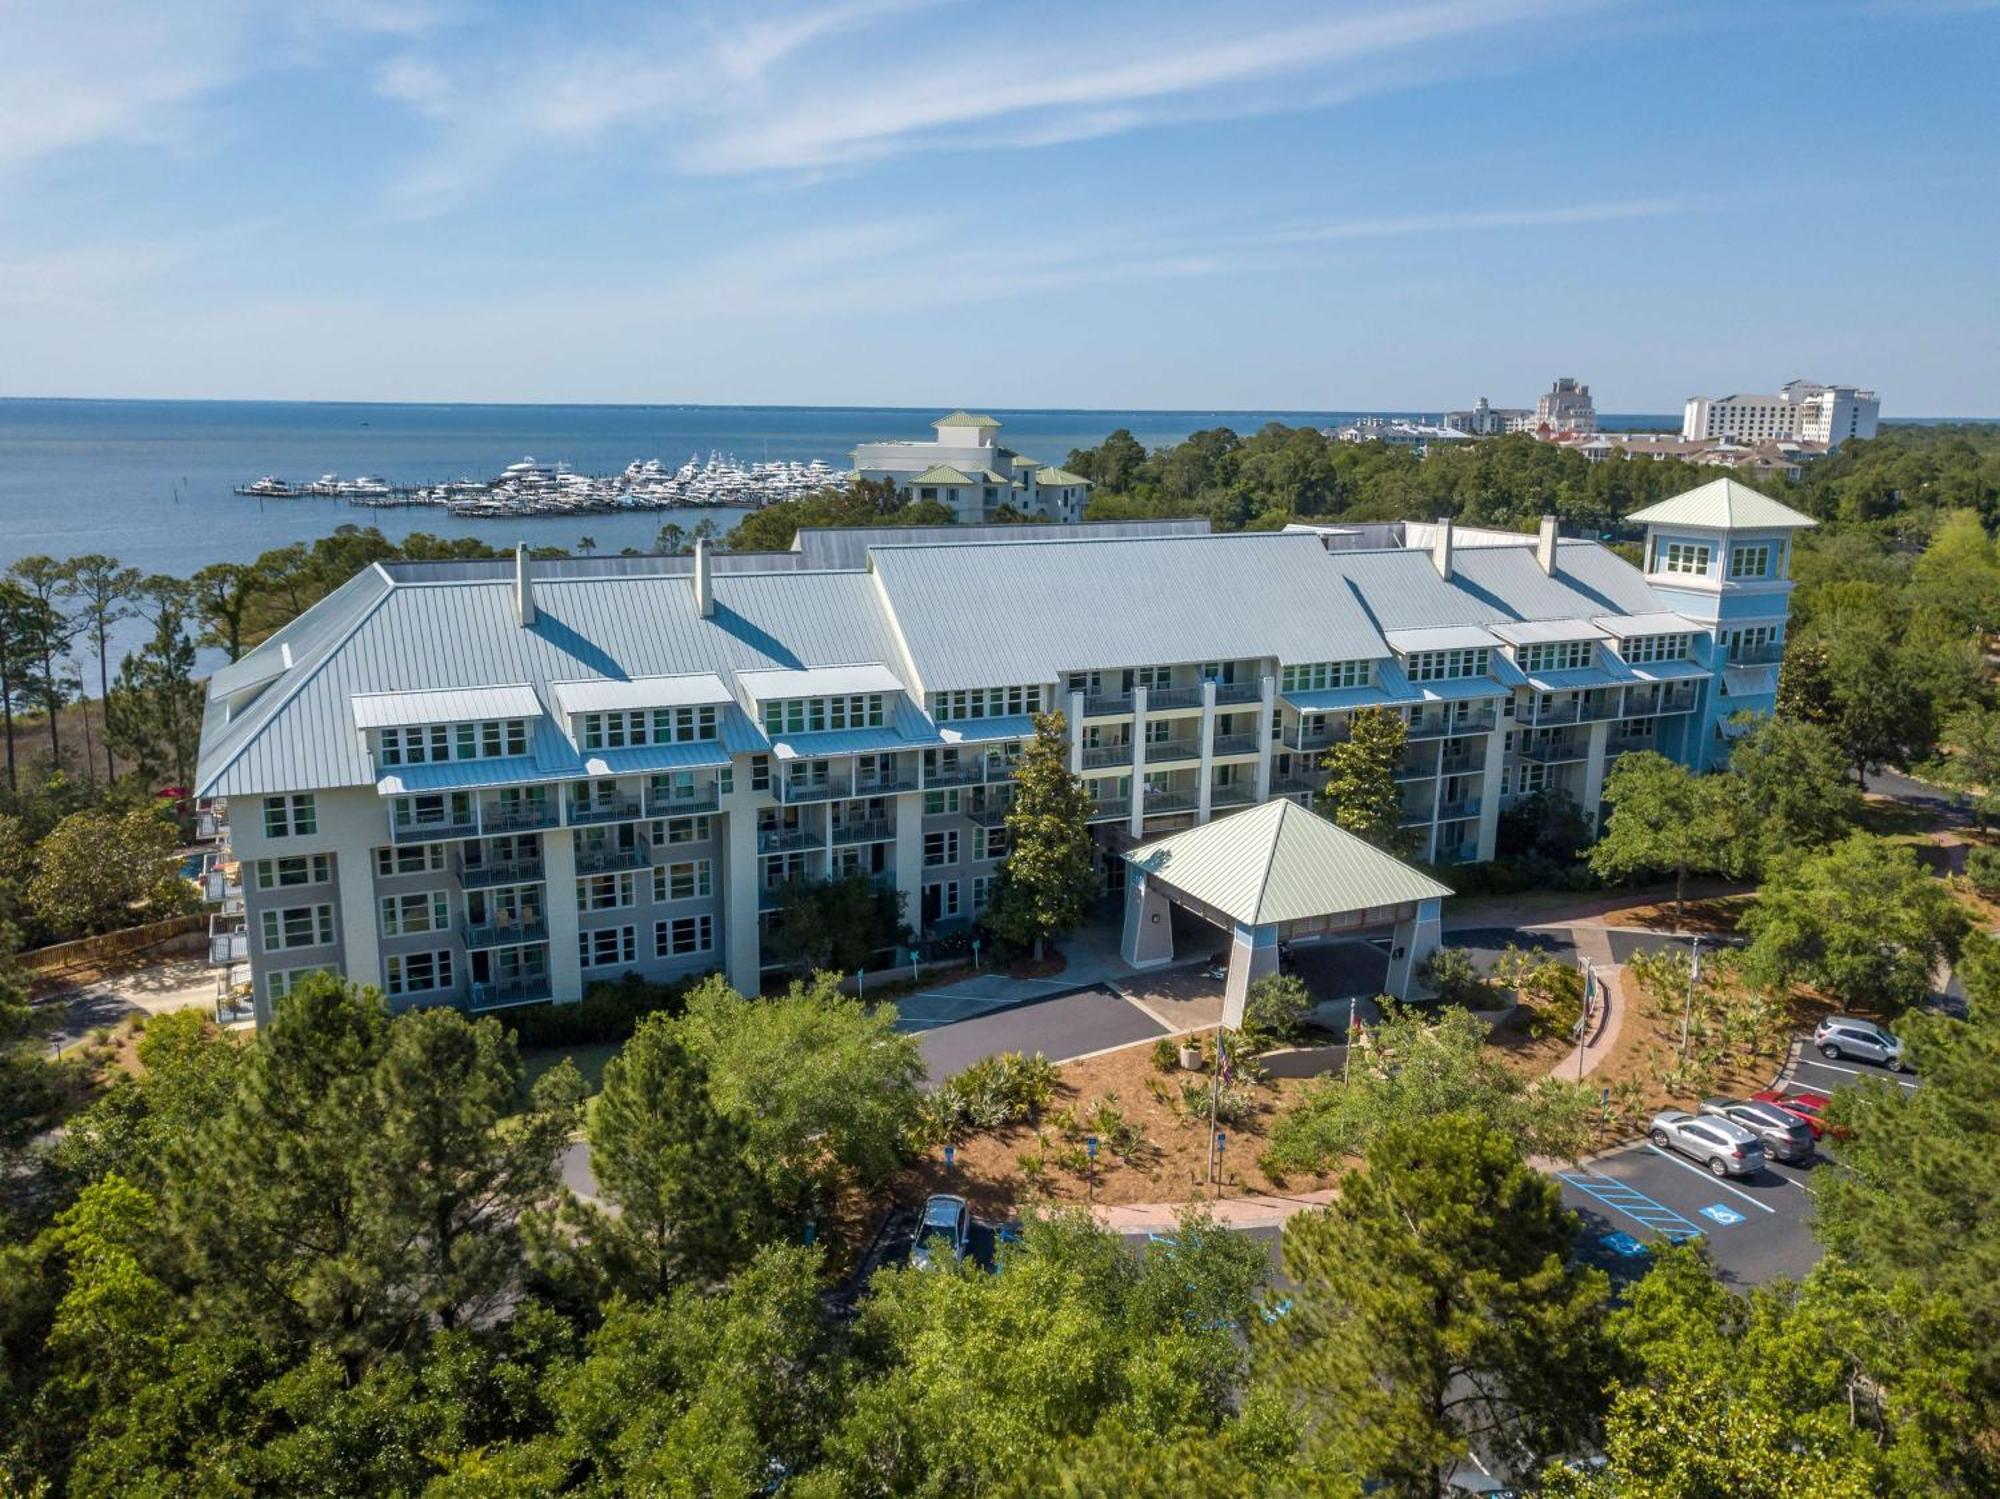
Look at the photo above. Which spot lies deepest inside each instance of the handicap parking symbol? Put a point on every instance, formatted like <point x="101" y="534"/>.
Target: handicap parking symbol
<point x="1721" y="1214"/>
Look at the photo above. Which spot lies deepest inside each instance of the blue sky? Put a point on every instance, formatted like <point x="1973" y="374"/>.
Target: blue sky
<point x="929" y="202"/>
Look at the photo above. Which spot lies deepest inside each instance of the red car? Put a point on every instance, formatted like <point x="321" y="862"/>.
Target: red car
<point x="1801" y="1105"/>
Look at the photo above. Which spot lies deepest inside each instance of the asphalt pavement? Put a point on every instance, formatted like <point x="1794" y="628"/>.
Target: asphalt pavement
<point x="1071" y="1025"/>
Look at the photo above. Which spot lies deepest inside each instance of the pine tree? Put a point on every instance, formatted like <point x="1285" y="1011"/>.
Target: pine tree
<point x="1048" y="880"/>
<point x="102" y="591"/>
<point x="154" y="720"/>
<point x="1360" y="794"/>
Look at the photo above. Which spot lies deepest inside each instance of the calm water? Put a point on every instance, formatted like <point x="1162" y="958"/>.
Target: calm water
<point x="150" y="481"/>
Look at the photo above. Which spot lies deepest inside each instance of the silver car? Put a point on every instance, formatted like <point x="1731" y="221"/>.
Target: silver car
<point x="945" y="1234"/>
<point x="1722" y="1145"/>
<point x="1840" y="1036"/>
<point x="1784" y="1136"/>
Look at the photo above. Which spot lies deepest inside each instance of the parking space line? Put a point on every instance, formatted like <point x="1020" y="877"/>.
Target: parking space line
<point x="1710" y="1176"/>
<point x="1647" y="1212"/>
<point x="1887" y="1077"/>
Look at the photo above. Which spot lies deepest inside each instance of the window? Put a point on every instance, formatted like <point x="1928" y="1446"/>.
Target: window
<point x="945" y="899"/>
<point x="1149" y="677"/>
<point x="760" y="772"/>
<point x="682" y="830"/>
<point x="421" y="744"/>
<point x="605" y="892"/>
<point x="1685" y="557"/>
<point x="1643" y="648"/>
<point x="608" y="946"/>
<point x="803" y="715"/>
<point x="941" y="848"/>
<point x="421" y="911"/>
<point x="419" y="972"/>
<point x="620" y="728"/>
<point x="1439" y="666"/>
<point x="297" y="926"/>
<point x="1534" y="776"/>
<point x="683" y="936"/>
<point x="688" y="880"/>
<point x="941" y="803"/>
<point x="985" y="702"/>
<point x="981" y="883"/>
<point x="1506" y="780"/>
<point x="1319" y="676"/>
<point x="290" y="816"/>
<point x="989" y="843"/>
<point x="1750" y="561"/>
<point x="420" y="859"/>
<point x="304" y="869"/>
<point x="281" y="983"/>
<point x="1750" y="640"/>
<point x="1557" y="655"/>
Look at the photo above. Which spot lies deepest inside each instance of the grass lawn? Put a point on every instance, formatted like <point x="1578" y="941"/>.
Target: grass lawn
<point x="589" y="1057"/>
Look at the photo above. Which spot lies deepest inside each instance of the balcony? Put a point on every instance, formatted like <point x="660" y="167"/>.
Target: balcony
<point x="1110" y="809"/>
<point x="1625" y="744"/>
<point x="989" y="816"/>
<point x="1299" y="737"/>
<point x="1106" y="704"/>
<point x="885" y="785"/>
<point x="770" y="897"/>
<point x="1555" y="751"/>
<point x="600" y="810"/>
<point x="1164" y="803"/>
<point x="1231" y="796"/>
<point x="519" y="817"/>
<point x="608" y="858"/>
<point x="1172" y="752"/>
<point x="960" y="774"/>
<point x="1167" y="699"/>
<point x="1235" y="744"/>
<point x="1444" y="726"/>
<point x="1768" y="654"/>
<point x="514" y="931"/>
<point x="868" y="830"/>
<point x="797" y="791"/>
<point x="682" y="801"/>
<point x="433" y="826"/>
<point x="210" y="827"/>
<point x="220" y="888"/>
<point x="228" y="942"/>
<point x="1594" y="708"/>
<point x="522" y="989"/>
<point x="1238" y="692"/>
<point x="1298" y="782"/>
<point x="489" y="873"/>
<point x="1457" y="811"/>
<point x="1462" y="765"/>
<point x="1416" y="817"/>
<point x="1678" y="700"/>
<point x="1422" y="770"/>
<point x="1000" y="768"/>
<point x="785" y="840"/>
<point x="1106" y="756"/>
<point x="1458" y="853"/>
<point x="1555" y="714"/>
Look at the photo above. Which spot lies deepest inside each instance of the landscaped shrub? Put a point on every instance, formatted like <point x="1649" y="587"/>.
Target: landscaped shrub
<point x="1167" y="1054"/>
<point x="993" y="1092"/>
<point x="1275" y="1007"/>
<point x="609" y="1011"/>
<point x="1454" y="979"/>
<point x="1232" y="1103"/>
<point x="1982" y="867"/>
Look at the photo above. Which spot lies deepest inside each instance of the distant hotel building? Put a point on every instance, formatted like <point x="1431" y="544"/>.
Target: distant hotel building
<point x="1397" y="432"/>
<point x="491" y="783"/>
<point x="1566" y="408"/>
<point x="968" y="471"/>
<point x="1803" y="411"/>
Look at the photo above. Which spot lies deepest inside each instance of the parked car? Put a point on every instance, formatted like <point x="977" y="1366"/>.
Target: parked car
<point x="1725" y="1147"/>
<point x="1840" y="1036"/>
<point x="945" y="1233"/>
<point x="1803" y="1105"/>
<point x="1785" y="1137"/>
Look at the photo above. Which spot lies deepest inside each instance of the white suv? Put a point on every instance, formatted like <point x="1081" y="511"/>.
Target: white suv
<point x="1722" y="1145"/>
<point x="1840" y="1036"/>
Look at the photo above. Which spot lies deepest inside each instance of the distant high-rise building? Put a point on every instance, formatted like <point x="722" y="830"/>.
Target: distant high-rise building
<point x="1804" y="411"/>
<point x="1483" y="419"/>
<point x="1566" y="408"/>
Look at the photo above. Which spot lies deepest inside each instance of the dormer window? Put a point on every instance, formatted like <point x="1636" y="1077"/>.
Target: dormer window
<point x="811" y="715"/>
<point x="1557" y="655"/>
<point x="625" y="728"/>
<point x="1321" y="676"/>
<point x="1444" y="666"/>
<point x="421" y="744"/>
<point x="1684" y="557"/>
<point x="985" y="702"/>
<point x="1640" y="649"/>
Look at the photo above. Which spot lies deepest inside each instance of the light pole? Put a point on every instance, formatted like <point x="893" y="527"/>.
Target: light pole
<point x="1687" y="1010"/>
<point x="1347" y="1051"/>
<point x="1090" y="1146"/>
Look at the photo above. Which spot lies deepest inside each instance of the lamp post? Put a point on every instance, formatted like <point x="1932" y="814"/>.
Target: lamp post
<point x="1687" y="1010"/>
<point x="1090" y="1147"/>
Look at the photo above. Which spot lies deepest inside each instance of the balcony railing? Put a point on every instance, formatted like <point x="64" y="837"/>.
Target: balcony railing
<point x="868" y="830"/>
<point x="210" y="827"/>
<point x="1172" y="752"/>
<point x="1458" y="853"/>
<point x="1555" y="714"/>
<point x="1625" y="744"/>
<point x="219" y="887"/>
<point x="1757" y="655"/>
<point x="1459" y="765"/>
<point x="605" y="809"/>
<point x="1416" y="816"/>
<point x="512" y="932"/>
<point x="682" y="801"/>
<point x="961" y="774"/>
<point x="1594" y="708"/>
<point x="522" y="989"/>
<point x="1239" y="692"/>
<point x="432" y="827"/>
<point x="784" y="840"/>
<point x="1679" y="700"/>
<point x="796" y="791"/>
<point x="488" y="873"/>
<point x="1422" y="770"/>
<point x="1161" y="803"/>
<point x="1110" y="809"/>
<point x="1107" y="704"/>
<point x="1161" y="699"/>
<point x="1553" y="751"/>
<point x="1424" y="726"/>
<point x="1231" y="796"/>
<point x="1106" y="756"/>
<point x="1298" y="781"/>
<point x="991" y="815"/>
<point x="228" y="942"/>
<point x="1305" y="740"/>
<point x="888" y="785"/>
<point x="1236" y="744"/>
<point x="1464" y="807"/>
<point x="604" y="859"/>
<point x="520" y="817"/>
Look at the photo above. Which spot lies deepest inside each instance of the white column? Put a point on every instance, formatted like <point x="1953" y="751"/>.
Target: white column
<point x="1138" y="822"/>
<point x="1253" y="954"/>
<point x="1148" y="938"/>
<point x="1076" y="733"/>
<point x="1593" y="769"/>
<point x="742" y="951"/>
<point x="1202" y="790"/>
<point x="1415" y="939"/>
<point x="910" y="856"/>
<point x="559" y="886"/>
<point x="1266" y="705"/>
<point x="1489" y="789"/>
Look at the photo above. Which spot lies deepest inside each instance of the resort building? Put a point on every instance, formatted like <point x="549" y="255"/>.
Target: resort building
<point x="1804" y="411"/>
<point x="1565" y="408"/>
<point x="491" y="783"/>
<point x="967" y="470"/>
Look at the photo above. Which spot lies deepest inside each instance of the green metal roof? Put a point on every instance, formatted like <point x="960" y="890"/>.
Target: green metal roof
<point x="1723" y="505"/>
<point x="1058" y="476"/>
<point x="1279" y="862"/>
<point x="941" y="473"/>
<point x="965" y="419"/>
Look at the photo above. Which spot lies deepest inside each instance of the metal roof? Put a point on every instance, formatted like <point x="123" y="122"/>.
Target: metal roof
<point x="1625" y="626"/>
<point x="988" y="730"/>
<point x="1441" y="638"/>
<point x="964" y="419"/>
<point x="1278" y="862"/>
<point x="1542" y="631"/>
<point x="1723" y="505"/>
<point x="604" y="694"/>
<point x="819" y="681"/>
<point x="941" y="473"/>
<point x="973" y="616"/>
<point x="848" y="546"/>
<point x="387" y="710"/>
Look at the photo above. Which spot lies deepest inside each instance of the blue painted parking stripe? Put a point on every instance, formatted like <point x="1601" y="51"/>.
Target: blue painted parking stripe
<point x="1645" y="1211"/>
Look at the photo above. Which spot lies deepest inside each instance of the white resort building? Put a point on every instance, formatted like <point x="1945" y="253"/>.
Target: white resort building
<point x="491" y="783"/>
<point x="1804" y="411"/>
<point x="967" y="470"/>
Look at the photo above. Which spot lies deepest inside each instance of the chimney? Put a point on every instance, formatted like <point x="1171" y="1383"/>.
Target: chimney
<point x="1545" y="545"/>
<point x="524" y="587"/>
<point x="1441" y="547"/>
<point x="704" y="581"/>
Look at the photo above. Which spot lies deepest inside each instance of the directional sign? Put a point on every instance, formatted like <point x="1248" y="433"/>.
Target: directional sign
<point x="1722" y="1213"/>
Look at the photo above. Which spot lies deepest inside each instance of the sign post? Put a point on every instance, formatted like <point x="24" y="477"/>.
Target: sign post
<point x="950" y="1154"/>
<point x="1090" y="1146"/>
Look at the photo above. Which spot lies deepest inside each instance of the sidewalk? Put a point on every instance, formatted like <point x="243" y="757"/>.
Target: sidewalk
<point x="1249" y="1211"/>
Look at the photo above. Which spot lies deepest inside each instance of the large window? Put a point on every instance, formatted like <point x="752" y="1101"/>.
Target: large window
<point x="690" y="879"/>
<point x="411" y="859"/>
<point x="283" y="981"/>
<point x="605" y="892"/>
<point x="944" y="803"/>
<point x="1440" y="666"/>
<point x="297" y="926"/>
<point x="1319" y="676"/>
<point x="1643" y="648"/>
<point x="1557" y="655"/>
<point x="419" y="972"/>
<point x="985" y="702"/>
<point x="621" y="728"/>
<point x="1685" y="557"/>
<point x="302" y="869"/>
<point x="608" y="946"/>
<point x="481" y="739"/>
<point x="421" y="911"/>
<point x="684" y="936"/>
<point x="290" y="816"/>
<point x="682" y="830"/>
<point x="941" y="848"/>
<point x="803" y="715"/>
<point x="1752" y="560"/>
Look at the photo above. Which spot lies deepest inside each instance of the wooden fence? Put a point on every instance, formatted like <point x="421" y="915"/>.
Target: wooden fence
<point x="155" y="938"/>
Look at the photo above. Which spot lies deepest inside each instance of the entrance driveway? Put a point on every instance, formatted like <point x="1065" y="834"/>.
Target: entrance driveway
<point x="1073" y="1025"/>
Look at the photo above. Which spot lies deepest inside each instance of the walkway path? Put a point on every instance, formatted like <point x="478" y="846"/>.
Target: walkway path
<point x="180" y="984"/>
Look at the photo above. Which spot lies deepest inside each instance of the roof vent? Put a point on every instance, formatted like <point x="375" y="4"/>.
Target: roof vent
<point x="1545" y="545"/>
<point x="1441" y="547"/>
<point x="704" y="581"/>
<point x="524" y="586"/>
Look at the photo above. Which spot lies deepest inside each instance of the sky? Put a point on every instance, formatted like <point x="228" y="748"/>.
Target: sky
<point x="1349" y="204"/>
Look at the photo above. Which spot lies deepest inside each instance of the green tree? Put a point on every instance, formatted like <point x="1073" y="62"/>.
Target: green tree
<point x="1045" y="885"/>
<point x="95" y="871"/>
<point x="689" y="1203"/>
<point x="1789" y="789"/>
<point x="155" y="720"/>
<point x="1276" y="1005"/>
<point x="1973" y="764"/>
<point x="1862" y="921"/>
<point x="1415" y="1068"/>
<point x="222" y="596"/>
<point x="101" y="590"/>
<point x="23" y="620"/>
<point x="1437" y="1305"/>
<point x="1805" y="683"/>
<point x="1664" y="818"/>
<point x="842" y="924"/>
<point x="49" y="633"/>
<point x="823" y="1087"/>
<point x="1361" y="793"/>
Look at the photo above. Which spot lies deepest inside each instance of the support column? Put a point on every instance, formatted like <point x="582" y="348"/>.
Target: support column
<point x="910" y="858"/>
<point x="1414" y="940"/>
<point x="1266" y="705"/>
<point x="1148" y="939"/>
<point x="1076" y="733"/>
<point x="1489" y="790"/>
<point x="1138" y="822"/>
<point x="1593" y="770"/>
<point x="358" y="919"/>
<point x="559" y="889"/>
<point x="743" y="951"/>
<point x="1253" y="953"/>
<point x="1203" y="791"/>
